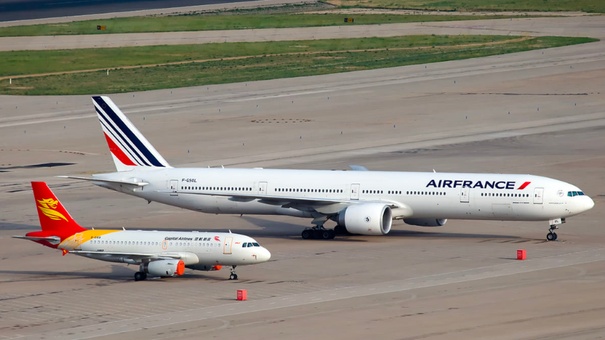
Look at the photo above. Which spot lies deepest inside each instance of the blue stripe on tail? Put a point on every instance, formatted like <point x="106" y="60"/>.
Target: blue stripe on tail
<point x="130" y="137"/>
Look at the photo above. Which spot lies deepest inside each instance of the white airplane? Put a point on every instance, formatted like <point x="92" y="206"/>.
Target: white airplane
<point x="359" y="201"/>
<point x="158" y="253"/>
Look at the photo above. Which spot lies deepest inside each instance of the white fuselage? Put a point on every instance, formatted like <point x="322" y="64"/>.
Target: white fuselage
<point x="198" y="250"/>
<point x="418" y="194"/>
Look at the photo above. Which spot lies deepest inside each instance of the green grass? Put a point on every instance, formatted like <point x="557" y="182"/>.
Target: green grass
<point x="590" y="6"/>
<point x="220" y="22"/>
<point x="238" y="62"/>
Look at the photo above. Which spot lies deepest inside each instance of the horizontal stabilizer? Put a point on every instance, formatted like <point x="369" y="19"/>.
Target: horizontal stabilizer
<point x="133" y="181"/>
<point x="51" y="239"/>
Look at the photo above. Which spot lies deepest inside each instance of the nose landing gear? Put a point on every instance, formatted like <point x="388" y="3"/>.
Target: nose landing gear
<point x="554" y="224"/>
<point x="551" y="236"/>
<point x="233" y="275"/>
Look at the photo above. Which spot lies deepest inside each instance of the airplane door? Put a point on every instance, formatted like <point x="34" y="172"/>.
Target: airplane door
<point x="538" y="195"/>
<point x="174" y="187"/>
<point x="262" y="188"/>
<point x="355" y="191"/>
<point x="464" y="195"/>
<point x="227" y="245"/>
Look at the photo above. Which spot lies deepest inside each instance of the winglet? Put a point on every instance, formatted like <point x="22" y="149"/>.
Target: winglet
<point x="128" y="147"/>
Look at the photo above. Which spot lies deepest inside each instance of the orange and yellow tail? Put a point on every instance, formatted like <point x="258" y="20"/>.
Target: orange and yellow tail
<point x="56" y="223"/>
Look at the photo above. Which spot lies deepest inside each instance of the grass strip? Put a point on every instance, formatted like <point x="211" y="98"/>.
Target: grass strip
<point x="205" y="22"/>
<point x="588" y="6"/>
<point x="160" y="67"/>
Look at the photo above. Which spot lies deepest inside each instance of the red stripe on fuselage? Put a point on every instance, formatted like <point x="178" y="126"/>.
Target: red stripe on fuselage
<point x="116" y="151"/>
<point x="523" y="186"/>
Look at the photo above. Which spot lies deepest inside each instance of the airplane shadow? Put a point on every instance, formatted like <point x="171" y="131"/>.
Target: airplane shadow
<point x="19" y="227"/>
<point x="118" y="274"/>
<point x="432" y="234"/>
<point x="281" y="230"/>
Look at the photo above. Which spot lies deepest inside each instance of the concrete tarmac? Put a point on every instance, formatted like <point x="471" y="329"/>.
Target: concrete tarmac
<point x="538" y="112"/>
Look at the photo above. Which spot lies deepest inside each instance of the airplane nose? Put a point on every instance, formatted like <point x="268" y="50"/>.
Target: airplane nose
<point x="589" y="203"/>
<point x="263" y="255"/>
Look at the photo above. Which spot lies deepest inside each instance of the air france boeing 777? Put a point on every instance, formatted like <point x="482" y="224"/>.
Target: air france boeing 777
<point x="158" y="253"/>
<point x="359" y="201"/>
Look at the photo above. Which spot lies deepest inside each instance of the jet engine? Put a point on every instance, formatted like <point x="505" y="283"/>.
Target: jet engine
<point x="164" y="268"/>
<point x="367" y="219"/>
<point x="426" y="222"/>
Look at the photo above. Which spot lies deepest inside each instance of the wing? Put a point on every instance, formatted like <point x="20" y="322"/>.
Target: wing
<point x="324" y="206"/>
<point x="136" y="258"/>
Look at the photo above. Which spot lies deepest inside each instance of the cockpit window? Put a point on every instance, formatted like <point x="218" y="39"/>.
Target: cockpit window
<point x="575" y="193"/>
<point x="250" y="244"/>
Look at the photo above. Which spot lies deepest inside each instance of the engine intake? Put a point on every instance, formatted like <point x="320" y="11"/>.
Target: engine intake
<point x="164" y="268"/>
<point x="367" y="219"/>
<point x="426" y="222"/>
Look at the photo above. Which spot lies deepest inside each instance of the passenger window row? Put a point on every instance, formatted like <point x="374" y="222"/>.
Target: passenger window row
<point x="217" y="188"/>
<point x="331" y="191"/>
<point x="500" y="194"/>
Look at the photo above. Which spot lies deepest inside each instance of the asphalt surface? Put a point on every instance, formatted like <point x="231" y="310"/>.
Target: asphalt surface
<point x="538" y="112"/>
<point x="11" y="10"/>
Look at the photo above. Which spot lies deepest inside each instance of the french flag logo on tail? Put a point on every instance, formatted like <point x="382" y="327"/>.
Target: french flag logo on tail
<point x="129" y="148"/>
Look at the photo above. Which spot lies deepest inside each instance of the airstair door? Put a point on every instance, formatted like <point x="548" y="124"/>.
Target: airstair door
<point x="262" y="188"/>
<point x="355" y="191"/>
<point x="174" y="187"/>
<point x="227" y="245"/>
<point x="538" y="195"/>
<point x="464" y="195"/>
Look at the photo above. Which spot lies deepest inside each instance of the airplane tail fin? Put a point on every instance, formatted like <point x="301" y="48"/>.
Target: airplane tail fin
<point x="129" y="148"/>
<point x="55" y="221"/>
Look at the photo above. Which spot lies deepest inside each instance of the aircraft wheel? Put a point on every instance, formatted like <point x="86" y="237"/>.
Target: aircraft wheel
<point x="340" y="230"/>
<point x="233" y="276"/>
<point x="306" y="234"/>
<point x="140" y="276"/>
<point x="327" y="234"/>
<point x="551" y="236"/>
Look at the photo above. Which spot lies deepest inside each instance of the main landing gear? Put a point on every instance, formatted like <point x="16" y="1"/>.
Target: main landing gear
<point x="233" y="275"/>
<point x="318" y="233"/>
<point x="554" y="224"/>
<point x="140" y="276"/>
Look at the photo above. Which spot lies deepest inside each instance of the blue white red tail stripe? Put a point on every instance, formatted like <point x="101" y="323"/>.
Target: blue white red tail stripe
<point x="121" y="141"/>
<point x="127" y="145"/>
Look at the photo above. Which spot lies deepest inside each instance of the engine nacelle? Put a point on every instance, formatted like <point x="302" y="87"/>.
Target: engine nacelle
<point x="367" y="219"/>
<point x="164" y="268"/>
<point x="426" y="222"/>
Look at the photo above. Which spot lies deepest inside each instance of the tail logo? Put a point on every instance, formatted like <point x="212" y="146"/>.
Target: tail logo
<point x="48" y="206"/>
